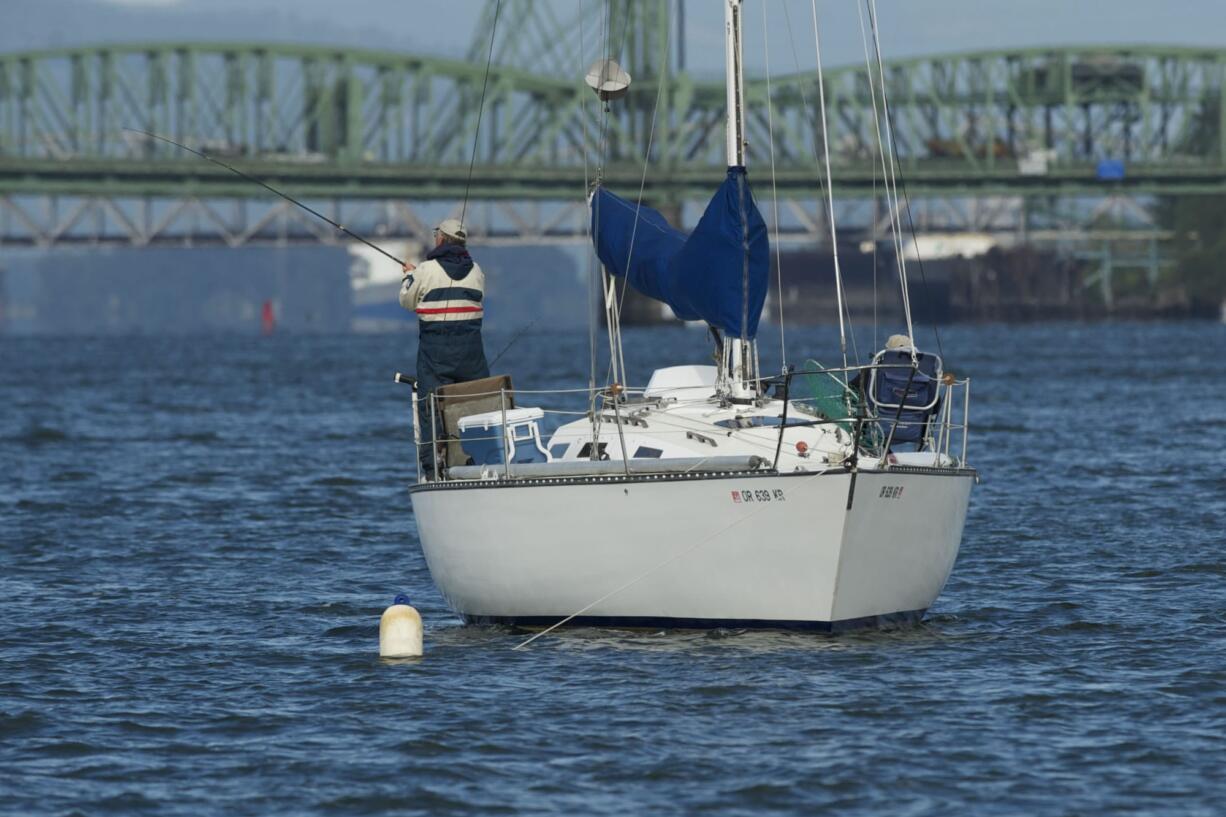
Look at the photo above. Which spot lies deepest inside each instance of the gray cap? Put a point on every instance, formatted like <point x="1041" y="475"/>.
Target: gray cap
<point x="452" y="227"/>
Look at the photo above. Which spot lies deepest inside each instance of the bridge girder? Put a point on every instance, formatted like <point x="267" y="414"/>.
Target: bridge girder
<point x="359" y="125"/>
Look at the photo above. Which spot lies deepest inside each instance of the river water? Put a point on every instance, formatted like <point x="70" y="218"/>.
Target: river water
<point x="198" y="534"/>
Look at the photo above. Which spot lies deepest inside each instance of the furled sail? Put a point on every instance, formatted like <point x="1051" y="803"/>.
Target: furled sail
<point x="718" y="274"/>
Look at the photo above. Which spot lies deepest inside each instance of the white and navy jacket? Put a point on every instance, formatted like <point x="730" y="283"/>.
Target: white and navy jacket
<point x="445" y="288"/>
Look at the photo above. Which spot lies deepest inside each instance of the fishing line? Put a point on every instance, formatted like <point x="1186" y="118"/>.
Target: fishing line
<point x="270" y="189"/>
<point x="319" y="215"/>
<point x="516" y="337"/>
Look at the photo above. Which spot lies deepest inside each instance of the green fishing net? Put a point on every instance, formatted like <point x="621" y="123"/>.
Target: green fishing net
<point x="826" y="395"/>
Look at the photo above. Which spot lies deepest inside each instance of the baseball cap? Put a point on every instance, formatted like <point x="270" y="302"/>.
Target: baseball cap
<point x="453" y="228"/>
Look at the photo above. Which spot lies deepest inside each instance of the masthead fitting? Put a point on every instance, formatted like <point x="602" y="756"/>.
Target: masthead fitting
<point x="607" y="79"/>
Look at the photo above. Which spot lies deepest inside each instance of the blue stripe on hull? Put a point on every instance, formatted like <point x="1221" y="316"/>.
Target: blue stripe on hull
<point x="909" y="617"/>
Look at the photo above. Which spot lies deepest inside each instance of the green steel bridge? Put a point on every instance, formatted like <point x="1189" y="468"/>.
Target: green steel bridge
<point x="1002" y="142"/>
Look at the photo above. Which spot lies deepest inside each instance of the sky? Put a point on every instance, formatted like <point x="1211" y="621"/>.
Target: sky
<point x="446" y="27"/>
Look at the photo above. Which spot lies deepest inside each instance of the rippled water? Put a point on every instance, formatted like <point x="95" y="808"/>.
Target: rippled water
<point x="197" y="536"/>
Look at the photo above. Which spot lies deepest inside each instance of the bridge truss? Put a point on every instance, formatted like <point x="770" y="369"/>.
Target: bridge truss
<point x="1004" y="142"/>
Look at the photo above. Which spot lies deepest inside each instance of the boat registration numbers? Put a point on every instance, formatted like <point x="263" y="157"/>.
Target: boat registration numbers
<point x="759" y="495"/>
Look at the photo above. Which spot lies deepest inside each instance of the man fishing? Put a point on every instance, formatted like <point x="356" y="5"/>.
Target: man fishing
<point x="446" y="293"/>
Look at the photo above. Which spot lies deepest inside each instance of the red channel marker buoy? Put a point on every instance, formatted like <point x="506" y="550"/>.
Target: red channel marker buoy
<point x="268" y="321"/>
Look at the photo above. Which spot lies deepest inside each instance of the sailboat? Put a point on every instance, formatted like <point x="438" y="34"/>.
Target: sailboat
<point x="715" y="496"/>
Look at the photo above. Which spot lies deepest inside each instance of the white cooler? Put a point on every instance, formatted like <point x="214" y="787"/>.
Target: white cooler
<point x="481" y="437"/>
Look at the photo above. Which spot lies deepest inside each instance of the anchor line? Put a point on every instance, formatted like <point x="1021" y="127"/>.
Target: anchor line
<point x="653" y="569"/>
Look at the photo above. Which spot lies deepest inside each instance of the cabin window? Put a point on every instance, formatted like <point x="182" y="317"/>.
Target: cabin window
<point x="647" y="452"/>
<point x="585" y="452"/>
<point x="558" y="450"/>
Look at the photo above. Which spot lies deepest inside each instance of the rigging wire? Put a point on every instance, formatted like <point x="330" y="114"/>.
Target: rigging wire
<point x="890" y="213"/>
<point x="619" y="299"/>
<point x="489" y="59"/>
<point x="587" y="222"/>
<point x="613" y="331"/>
<point x="873" y="238"/>
<point x="872" y="16"/>
<point x="800" y="86"/>
<point x="615" y="300"/>
<point x="891" y="187"/>
<point x="804" y="104"/>
<point x="834" y="236"/>
<point x="770" y="128"/>
<point x="612" y="304"/>
<point x="651" y="135"/>
<point x="882" y="154"/>
<point x="890" y="152"/>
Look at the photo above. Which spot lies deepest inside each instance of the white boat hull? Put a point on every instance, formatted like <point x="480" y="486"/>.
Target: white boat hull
<point x="770" y="550"/>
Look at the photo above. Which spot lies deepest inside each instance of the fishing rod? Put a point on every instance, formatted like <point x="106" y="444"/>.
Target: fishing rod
<point x="315" y="213"/>
<point x="270" y="189"/>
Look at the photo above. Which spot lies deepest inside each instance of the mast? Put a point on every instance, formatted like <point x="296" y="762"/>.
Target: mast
<point x="735" y="114"/>
<point x="738" y="363"/>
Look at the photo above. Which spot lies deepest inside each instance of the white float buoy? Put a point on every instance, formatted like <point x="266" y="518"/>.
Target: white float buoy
<point x="400" y="631"/>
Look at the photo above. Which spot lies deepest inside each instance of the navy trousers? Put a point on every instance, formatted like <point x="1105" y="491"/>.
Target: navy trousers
<point x="447" y="352"/>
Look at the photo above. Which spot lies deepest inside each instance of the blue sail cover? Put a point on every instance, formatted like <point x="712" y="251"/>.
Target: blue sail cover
<point x="702" y="277"/>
